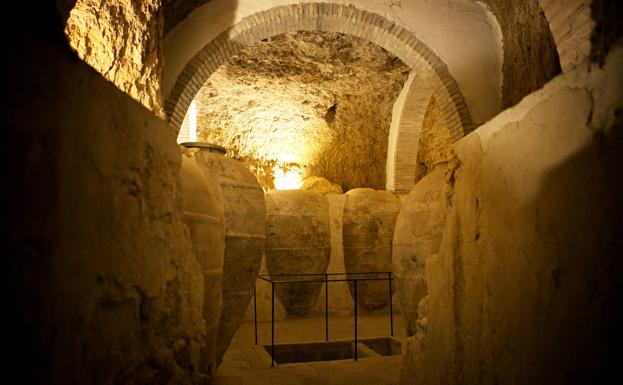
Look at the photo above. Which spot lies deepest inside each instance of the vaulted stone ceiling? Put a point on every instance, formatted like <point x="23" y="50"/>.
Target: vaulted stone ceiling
<point x="528" y="43"/>
<point x="315" y="103"/>
<point x="133" y="33"/>
<point x="530" y="56"/>
<point x="126" y="43"/>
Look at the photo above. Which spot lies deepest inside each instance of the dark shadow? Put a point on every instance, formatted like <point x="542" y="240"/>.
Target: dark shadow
<point x="577" y="337"/>
<point x="64" y="121"/>
<point x="175" y="11"/>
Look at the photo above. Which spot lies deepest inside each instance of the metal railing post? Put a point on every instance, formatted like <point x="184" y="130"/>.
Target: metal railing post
<point x="391" y="310"/>
<point x="326" y="307"/>
<point x="355" y="319"/>
<point x="255" y="311"/>
<point x="272" y="326"/>
<point x="367" y="276"/>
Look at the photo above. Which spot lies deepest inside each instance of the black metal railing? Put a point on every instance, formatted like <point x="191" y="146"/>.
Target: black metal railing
<point x="282" y="279"/>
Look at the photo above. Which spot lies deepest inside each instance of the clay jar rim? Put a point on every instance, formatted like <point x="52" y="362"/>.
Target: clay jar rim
<point x="211" y="147"/>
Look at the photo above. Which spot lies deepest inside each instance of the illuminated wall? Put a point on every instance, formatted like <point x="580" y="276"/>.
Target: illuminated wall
<point x="435" y="141"/>
<point x="308" y="104"/>
<point x="123" y="41"/>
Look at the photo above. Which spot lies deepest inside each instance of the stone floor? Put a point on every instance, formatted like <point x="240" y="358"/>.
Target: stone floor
<point x="248" y="364"/>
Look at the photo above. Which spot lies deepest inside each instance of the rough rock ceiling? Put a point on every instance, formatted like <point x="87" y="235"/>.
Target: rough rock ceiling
<point x="530" y="56"/>
<point x="313" y="103"/>
<point x="124" y="43"/>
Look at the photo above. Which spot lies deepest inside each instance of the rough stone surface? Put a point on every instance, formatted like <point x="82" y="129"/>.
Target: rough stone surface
<point x="245" y="234"/>
<point x="435" y="144"/>
<point x="104" y="284"/>
<point x="202" y="203"/>
<point x="530" y="56"/>
<point x="368" y="228"/>
<point x="460" y="34"/>
<point x="320" y="185"/>
<point x="122" y="41"/>
<point x="314" y="102"/>
<point x="475" y="48"/>
<point x="417" y="237"/>
<point x="297" y="242"/>
<point x="571" y="25"/>
<point x="526" y="286"/>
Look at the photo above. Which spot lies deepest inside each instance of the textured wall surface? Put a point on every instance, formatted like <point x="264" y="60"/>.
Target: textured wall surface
<point x="530" y="56"/>
<point x="122" y="41"/>
<point x="571" y="25"/>
<point x="463" y="33"/>
<point x="526" y="286"/>
<point x="435" y="141"/>
<point x="319" y="103"/>
<point x="104" y="287"/>
<point x="433" y="74"/>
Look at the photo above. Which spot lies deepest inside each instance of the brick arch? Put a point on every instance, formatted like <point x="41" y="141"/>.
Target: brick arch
<point x="425" y="87"/>
<point x="341" y="18"/>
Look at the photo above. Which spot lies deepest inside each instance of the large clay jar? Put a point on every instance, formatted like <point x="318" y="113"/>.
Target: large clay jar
<point x="368" y="227"/>
<point x="203" y="215"/>
<point x="297" y="242"/>
<point x="245" y="220"/>
<point x="419" y="229"/>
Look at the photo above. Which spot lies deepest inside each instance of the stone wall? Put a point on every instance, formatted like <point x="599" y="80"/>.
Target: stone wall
<point x="463" y="33"/>
<point x="571" y="25"/>
<point x="103" y="286"/>
<point x="358" y="22"/>
<point x="435" y="141"/>
<point x="530" y="56"/>
<point x="526" y="285"/>
<point x="317" y="102"/>
<point x="122" y="41"/>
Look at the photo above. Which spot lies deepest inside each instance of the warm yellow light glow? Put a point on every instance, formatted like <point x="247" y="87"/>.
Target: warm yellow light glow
<point x="192" y="122"/>
<point x="287" y="180"/>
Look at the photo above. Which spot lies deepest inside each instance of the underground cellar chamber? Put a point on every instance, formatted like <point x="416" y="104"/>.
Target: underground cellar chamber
<point x="110" y="279"/>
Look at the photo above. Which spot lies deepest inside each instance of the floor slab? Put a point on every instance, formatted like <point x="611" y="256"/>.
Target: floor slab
<point x="248" y="364"/>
